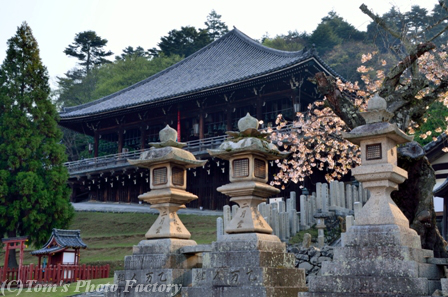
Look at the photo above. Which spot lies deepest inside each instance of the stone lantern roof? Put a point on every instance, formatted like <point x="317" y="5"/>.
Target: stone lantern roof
<point x="377" y="124"/>
<point x="248" y="140"/>
<point x="167" y="150"/>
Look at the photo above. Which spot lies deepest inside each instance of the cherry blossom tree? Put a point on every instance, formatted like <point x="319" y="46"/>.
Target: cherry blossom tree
<point x="409" y="87"/>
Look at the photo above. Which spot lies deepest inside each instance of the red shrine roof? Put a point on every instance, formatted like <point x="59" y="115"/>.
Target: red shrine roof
<point x="61" y="239"/>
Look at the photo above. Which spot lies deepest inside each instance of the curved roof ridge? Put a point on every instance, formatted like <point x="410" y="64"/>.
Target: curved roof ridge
<point x="264" y="48"/>
<point x="148" y="79"/>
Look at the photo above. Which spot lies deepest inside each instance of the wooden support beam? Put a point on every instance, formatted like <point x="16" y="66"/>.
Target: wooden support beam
<point x="201" y="125"/>
<point x="142" y="137"/>
<point x="96" y="140"/>
<point x="120" y="139"/>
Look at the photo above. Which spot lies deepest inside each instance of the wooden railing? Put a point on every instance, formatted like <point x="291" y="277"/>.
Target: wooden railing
<point x="117" y="160"/>
<point x="31" y="274"/>
<point x="196" y="147"/>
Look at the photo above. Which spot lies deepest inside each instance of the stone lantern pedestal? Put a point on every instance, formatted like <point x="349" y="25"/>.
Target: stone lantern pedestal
<point x="381" y="255"/>
<point x="158" y="261"/>
<point x="248" y="260"/>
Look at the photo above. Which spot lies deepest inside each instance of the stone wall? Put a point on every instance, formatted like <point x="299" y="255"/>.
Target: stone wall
<point x="311" y="258"/>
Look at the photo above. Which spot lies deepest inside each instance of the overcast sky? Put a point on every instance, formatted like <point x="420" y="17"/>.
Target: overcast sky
<point x="142" y="23"/>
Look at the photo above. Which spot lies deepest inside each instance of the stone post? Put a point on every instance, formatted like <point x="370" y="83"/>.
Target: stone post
<point x="342" y="195"/>
<point x="219" y="228"/>
<point x="293" y="197"/>
<point x="348" y="194"/>
<point x="268" y="214"/>
<point x="319" y="196"/>
<point x="281" y="206"/>
<point x="333" y="194"/>
<point x="325" y="198"/>
<point x="356" y="195"/>
<point x="227" y="216"/>
<point x="357" y="208"/>
<point x="303" y="213"/>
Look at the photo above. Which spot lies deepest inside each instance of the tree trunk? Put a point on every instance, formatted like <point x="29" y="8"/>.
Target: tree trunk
<point x="415" y="197"/>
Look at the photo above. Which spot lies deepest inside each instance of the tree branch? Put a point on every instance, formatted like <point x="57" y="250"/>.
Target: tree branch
<point x="379" y="21"/>
<point x="392" y="79"/>
<point x="438" y="34"/>
<point x="341" y="105"/>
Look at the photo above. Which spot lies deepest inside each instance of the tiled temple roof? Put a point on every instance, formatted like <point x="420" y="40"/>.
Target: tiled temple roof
<point x="232" y="59"/>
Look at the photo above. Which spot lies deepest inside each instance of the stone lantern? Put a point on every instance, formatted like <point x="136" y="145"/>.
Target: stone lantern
<point x="379" y="172"/>
<point x="248" y="260"/>
<point x="248" y="153"/>
<point x="167" y="163"/>
<point x="381" y="255"/>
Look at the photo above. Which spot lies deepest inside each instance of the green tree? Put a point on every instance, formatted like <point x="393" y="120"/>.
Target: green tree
<point x="34" y="197"/>
<point x="183" y="42"/>
<point x="131" y="53"/>
<point x="215" y="27"/>
<point x="76" y="87"/>
<point x="333" y="30"/>
<point x="124" y="73"/>
<point x="88" y="49"/>
<point x="293" y="41"/>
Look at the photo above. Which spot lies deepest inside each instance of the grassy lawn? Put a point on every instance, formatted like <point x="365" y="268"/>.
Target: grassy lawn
<point x="110" y="236"/>
<point x="60" y="291"/>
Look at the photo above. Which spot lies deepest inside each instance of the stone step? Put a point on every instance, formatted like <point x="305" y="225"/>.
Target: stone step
<point x="348" y="253"/>
<point x="379" y="268"/>
<point x="242" y="292"/>
<point x="153" y="276"/>
<point x="309" y="294"/>
<point x="369" y="285"/>
<point x="161" y="261"/>
<point x="251" y="259"/>
<point x="381" y="235"/>
<point x="382" y="268"/>
<point x="248" y="276"/>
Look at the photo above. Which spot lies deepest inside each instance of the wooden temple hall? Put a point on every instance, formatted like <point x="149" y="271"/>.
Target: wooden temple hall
<point x="202" y="97"/>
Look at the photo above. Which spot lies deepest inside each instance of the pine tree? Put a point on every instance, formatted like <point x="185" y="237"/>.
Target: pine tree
<point x="88" y="48"/>
<point x="215" y="27"/>
<point x="34" y="196"/>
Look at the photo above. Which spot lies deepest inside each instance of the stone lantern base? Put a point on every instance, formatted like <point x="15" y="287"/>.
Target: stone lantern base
<point x="377" y="260"/>
<point x="156" y="262"/>
<point x="247" y="264"/>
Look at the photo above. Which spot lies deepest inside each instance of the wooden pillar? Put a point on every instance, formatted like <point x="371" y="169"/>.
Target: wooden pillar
<point x="96" y="144"/>
<point x="178" y="126"/>
<point x="201" y="125"/>
<point x="120" y="139"/>
<point x="259" y="108"/>
<point x="22" y="247"/>
<point x="5" y="265"/>
<point x="142" y="138"/>
<point x="229" y="118"/>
